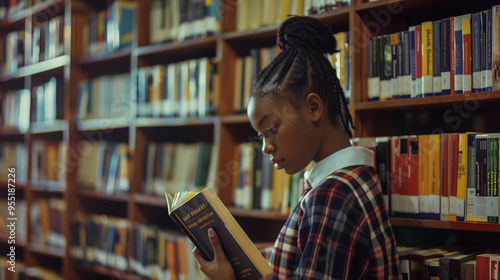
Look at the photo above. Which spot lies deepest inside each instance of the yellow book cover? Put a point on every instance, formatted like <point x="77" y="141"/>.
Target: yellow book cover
<point x="462" y="176"/>
<point x="196" y="212"/>
<point x="434" y="176"/>
<point x="423" y="171"/>
<point x="427" y="63"/>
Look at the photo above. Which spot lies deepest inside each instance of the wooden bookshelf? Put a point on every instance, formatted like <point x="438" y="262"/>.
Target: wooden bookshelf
<point x="226" y="129"/>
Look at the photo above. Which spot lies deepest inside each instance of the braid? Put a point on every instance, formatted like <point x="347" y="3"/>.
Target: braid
<point x="302" y="68"/>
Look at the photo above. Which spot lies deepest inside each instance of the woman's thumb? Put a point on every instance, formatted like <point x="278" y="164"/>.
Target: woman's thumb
<point x="214" y="239"/>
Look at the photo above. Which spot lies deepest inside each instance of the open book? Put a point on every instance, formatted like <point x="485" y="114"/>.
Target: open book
<point x="196" y="212"/>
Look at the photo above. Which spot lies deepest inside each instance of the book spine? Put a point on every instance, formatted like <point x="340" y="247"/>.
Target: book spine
<point x="458" y="55"/>
<point x="406" y="65"/>
<point x="403" y="176"/>
<point x="395" y="180"/>
<point x="462" y="177"/>
<point x="453" y="175"/>
<point x="445" y="57"/>
<point x="452" y="55"/>
<point x="495" y="47"/>
<point x="427" y="59"/>
<point x="434" y="177"/>
<point x="483" y="50"/>
<point x="423" y="172"/>
<point x="488" y="51"/>
<point x="466" y="52"/>
<point x="413" y="90"/>
<point x="492" y="199"/>
<point x="476" y="51"/>
<point x="445" y="177"/>
<point x="436" y="57"/>
<point x="481" y="178"/>
<point x="413" y="166"/>
<point x="393" y="77"/>
<point x="418" y="60"/>
<point x="471" y="177"/>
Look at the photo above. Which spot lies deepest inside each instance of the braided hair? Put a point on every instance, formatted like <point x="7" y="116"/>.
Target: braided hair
<point x="302" y="68"/>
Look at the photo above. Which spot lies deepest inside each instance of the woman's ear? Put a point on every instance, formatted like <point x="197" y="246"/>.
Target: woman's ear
<point x="314" y="106"/>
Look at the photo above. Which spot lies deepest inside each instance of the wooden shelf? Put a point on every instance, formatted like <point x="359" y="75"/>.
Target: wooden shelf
<point x="47" y="67"/>
<point x="235" y="119"/>
<point x="420" y="103"/>
<point x="178" y="51"/>
<point x="117" y="56"/>
<point x="103" y="124"/>
<point x="150" y="200"/>
<point x="48" y="127"/>
<point x="486" y="227"/>
<point x="20" y="244"/>
<point x="101" y="270"/>
<point x="15" y="21"/>
<point x="10" y="131"/>
<point x="118" y="197"/>
<point x="258" y="214"/>
<point x="54" y="7"/>
<point x="19" y="186"/>
<point x="45" y="250"/>
<point x="47" y="186"/>
<point x="176" y="121"/>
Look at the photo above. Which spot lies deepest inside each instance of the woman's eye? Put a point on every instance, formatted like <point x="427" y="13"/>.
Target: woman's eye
<point x="272" y="130"/>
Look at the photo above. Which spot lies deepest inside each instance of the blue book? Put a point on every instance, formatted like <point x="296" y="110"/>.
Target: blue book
<point x="445" y="57"/>
<point x="406" y="65"/>
<point x="413" y="92"/>
<point x="436" y="52"/>
<point x="488" y="50"/>
<point x="476" y="38"/>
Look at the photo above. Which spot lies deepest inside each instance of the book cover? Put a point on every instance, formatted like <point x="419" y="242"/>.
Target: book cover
<point x="395" y="179"/>
<point x="402" y="169"/>
<point x="427" y="59"/>
<point x="467" y="55"/>
<point x="481" y="173"/>
<point x="471" y="177"/>
<point x="486" y="75"/>
<point x="452" y="55"/>
<point x="458" y="54"/>
<point x="445" y="57"/>
<point x="418" y="60"/>
<point x="406" y="65"/>
<point x="468" y="270"/>
<point x="383" y="167"/>
<point x="462" y="168"/>
<point x="492" y="177"/>
<point x="495" y="48"/>
<point x="453" y="175"/>
<point x="204" y="210"/>
<point x="476" y="37"/>
<point x="436" y="57"/>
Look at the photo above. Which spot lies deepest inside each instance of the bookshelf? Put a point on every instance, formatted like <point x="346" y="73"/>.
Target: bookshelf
<point x="224" y="129"/>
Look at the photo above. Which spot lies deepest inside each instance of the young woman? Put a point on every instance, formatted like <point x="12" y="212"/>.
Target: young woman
<point x="340" y="228"/>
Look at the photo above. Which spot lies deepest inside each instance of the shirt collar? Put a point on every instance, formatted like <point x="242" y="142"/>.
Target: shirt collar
<point x="350" y="156"/>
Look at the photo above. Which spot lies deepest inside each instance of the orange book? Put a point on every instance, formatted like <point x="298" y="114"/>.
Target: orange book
<point x="423" y="172"/>
<point x="44" y="219"/>
<point x="172" y="257"/>
<point x="467" y="54"/>
<point x="434" y="176"/>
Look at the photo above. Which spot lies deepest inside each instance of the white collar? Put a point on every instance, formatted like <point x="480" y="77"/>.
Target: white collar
<point x="350" y="156"/>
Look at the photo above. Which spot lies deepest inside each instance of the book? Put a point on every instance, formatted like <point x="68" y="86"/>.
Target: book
<point x="495" y="47"/>
<point x="196" y="212"/>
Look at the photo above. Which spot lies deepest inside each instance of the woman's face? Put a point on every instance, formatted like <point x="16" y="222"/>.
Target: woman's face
<point x="288" y="135"/>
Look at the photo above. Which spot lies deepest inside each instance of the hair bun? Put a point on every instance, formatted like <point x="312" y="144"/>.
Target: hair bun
<point x="306" y="32"/>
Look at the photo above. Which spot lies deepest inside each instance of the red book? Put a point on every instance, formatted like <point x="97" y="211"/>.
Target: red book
<point x="445" y="177"/>
<point x="454" y="138"/>
<point x="483" y="266"/>
<point x="418" y="59"/>
<point x="402" y="169"/>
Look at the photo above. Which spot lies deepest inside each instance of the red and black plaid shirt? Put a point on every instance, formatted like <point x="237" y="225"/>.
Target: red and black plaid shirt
<point x="340" y="229"/>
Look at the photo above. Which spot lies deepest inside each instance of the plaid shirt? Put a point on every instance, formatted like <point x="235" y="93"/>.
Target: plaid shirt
<point x="340" y="229"/>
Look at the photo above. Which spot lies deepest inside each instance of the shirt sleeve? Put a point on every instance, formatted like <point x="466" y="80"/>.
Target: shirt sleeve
<point x="333" y="235"/>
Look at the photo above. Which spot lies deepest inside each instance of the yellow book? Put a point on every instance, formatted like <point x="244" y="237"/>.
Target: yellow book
<point x="341" y="41"/>
<point x="423" y="171"/>
<point x="462" y="176"/>
<point x="434" y="176"/>
<point x="427" y="63"/>
<point x="285" y="205"/>
<point x="278" y="182"/>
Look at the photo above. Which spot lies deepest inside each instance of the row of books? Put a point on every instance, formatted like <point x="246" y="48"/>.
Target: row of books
<point x="6" y="272"/>
<point x="9" y="8"/>
<point x="253" y="14"/>
<point x="17" y="210"/>
<point x="449" y="176"/>
<point x="104" y="97"/>
<point x="11" y="52"/>
<point x="321" y="6"/>
<point x="99" y="240"/>
<point x="259" y="186"/>
<point x="109" y="29"/>
<point x="456" y="55"/>
<point x="178" y="20"/>
<point x="247" y="68"/>
<point x="47" y="104"/>
<point x="449" y="263"/>
<point x="341" y="62"/>
<point x="14" y="105"/>
<point x="104" y="167"/>
<point x="46" y="222"/>
<point x="48" y="163"/>
<point x="14" y="155"/>
<point x="47" y="39"/>
<point x="174" y="167"/>
<point x="162" y="254"/>
<point x="183" y="89"/>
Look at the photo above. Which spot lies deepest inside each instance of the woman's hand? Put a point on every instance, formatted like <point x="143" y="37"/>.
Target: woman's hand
<point x="218" y="269"/>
